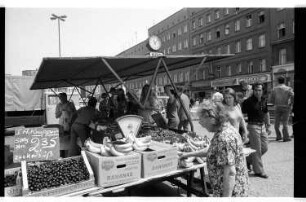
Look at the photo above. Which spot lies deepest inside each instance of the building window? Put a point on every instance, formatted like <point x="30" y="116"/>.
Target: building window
<point x="185" y="28"/>
<point x="168" y="36"/>
<point x="186" y="76"/>
<point x="208" y="18"/>
<point x="238" y="46"/>
<point x="200" y="22"/>
<point x="218" y="72"/>
<point x="228" y="49"/>
<point x="160" y="80"/>
<point x="249" y="44"/>
<point x="164" y="38"/>
<point x="179" y="46"/>
<point x="217" y="14"/>
<point x="175" y="78"/>
<point x="227" y="29"/>
<point x="229" y="70"/>
<point x="174" y="48"/>
<point x="219" y="50"/>
<point x="239" y="68"/>
<point x="249" y="20"/>
<point x="164" y="51"/>
<point x="262" y="65"/>
<point x="194" y="41"/>
<point x="208" y="36"/>
<point x="250" y="67"/>
<point x="226" y="11"/>
<point x="173" y="35"/>
<point x="261" y="17"/>
<point x="179" y="32"/>
<point x="193" y="24"/>
<point x="281" y="30"/>
<point x="201" y="38"/>
<point x="203" y="74"/>
<point x="186" y="43"/>
<point x="282" y="56"/>
<point x="210" y="51"/>
<point x="165" y="79"/>
<point x="237" y="10"/>
<point x="218" y="33"/>
<point x="181" y="77"/>
<point x="237" y="25"/>
<point x="262" y="41"/>
<point x="168" y="51"/>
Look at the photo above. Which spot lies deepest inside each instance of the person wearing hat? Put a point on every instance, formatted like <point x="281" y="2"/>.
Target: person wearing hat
<point x="282" y="97"/>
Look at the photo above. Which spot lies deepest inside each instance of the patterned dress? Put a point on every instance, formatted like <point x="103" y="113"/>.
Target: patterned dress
<point x="226" y="148"/>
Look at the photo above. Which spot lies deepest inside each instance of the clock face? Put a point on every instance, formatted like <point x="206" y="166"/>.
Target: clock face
<point x="154" y="42"/>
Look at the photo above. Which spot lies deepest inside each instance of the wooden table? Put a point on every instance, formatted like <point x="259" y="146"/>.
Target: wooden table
<point x="171" y="177"/>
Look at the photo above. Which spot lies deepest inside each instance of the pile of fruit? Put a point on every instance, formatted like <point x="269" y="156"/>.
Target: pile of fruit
<point x="56" y="173"/>
<point x="11" y="180"/>
<point x="120" y="147"/>
<point x="192" y="146"/>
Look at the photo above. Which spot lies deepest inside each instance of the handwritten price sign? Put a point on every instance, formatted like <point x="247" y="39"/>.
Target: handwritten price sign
<point x="35" y="144"/>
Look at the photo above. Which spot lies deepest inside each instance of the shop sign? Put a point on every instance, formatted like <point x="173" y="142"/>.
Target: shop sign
<point x="263" y="78"/>
<point x="258" y="78"/>
<point x="223" y="82"/>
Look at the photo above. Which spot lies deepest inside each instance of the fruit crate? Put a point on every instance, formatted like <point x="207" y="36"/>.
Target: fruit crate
<point x="62" y="189"/>
<point x="16" y="188"/>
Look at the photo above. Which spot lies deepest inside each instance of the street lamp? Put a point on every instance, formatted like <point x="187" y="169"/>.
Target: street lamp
<point x="59" y="18"/>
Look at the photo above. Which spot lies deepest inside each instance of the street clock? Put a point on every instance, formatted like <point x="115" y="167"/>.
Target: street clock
<point x="154" y="42"/>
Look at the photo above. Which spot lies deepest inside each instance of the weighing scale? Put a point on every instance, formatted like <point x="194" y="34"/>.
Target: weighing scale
<point x="129" y="124"/>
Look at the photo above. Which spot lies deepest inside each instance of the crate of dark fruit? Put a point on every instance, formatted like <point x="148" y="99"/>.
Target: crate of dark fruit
<point x="57" y="178"/>
<point x="12" y="182"/>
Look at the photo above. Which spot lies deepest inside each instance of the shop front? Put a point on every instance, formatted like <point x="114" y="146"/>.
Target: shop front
<point x="200" y="88"/>
<point x="234" y="82"/>
<point x="286" y="70"/>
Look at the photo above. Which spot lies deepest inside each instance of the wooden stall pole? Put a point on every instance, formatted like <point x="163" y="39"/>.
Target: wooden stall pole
<point x="178" y="97"/>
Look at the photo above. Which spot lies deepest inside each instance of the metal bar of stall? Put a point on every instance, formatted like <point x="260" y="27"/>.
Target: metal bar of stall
<point x="153" y="80"/>
<point x="178" y="97"/>
<point x="118" y="77"/>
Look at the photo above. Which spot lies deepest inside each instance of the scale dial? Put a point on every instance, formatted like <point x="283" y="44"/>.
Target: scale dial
<point x="129" y="124"/>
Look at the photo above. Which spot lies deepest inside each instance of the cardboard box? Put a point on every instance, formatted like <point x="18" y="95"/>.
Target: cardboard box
<point x="115" y="170"/>
<point x="159" y="158"/>
<point x="64" y="189"/>
<point x="14" y="190"/>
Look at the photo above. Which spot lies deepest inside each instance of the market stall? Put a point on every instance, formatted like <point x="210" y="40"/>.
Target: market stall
<point x="150" y="153"/>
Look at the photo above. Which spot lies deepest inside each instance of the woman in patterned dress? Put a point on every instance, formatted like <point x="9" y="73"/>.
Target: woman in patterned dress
<point x="226" y="162"/>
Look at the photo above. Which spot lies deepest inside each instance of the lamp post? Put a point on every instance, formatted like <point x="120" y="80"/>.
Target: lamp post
<point x="59" y="18"/>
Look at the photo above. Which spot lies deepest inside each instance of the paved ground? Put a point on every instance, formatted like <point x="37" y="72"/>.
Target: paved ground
<point x="278" y="163"/>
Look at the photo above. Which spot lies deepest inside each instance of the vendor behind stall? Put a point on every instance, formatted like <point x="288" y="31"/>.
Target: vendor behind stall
<point x="80" y="127"/>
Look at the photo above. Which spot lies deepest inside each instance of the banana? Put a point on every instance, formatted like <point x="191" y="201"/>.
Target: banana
<point x="146" y="139"/>
<point x="191" y="145"/>
<point x="115" y="152"/>
<point x="93" y="149"/>
<point x="106" y="140"/>
<point x="104" y="152"/>
<point x="122" y="145"/>
<point x="199" y="160"/>
<point x="189" y="159"/>
<point x="141" y="144"/>
<point x="196" y="143"/>
<point x="94" y="144"/>
<point x="139" y="148"/>
<point x="126" y="150"/>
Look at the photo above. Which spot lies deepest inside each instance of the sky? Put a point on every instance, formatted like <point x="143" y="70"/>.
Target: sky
<point x="31" y="35"/>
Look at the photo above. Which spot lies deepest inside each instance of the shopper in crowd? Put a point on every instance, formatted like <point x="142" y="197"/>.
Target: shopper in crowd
<point x="217" y="97"/>
<point x="149" y="106"/>
<point x="235" y="114"/>
<point x="80" y="127"/>
<point x="282" y="98"/>
<point x="132" y="105"/>
<point x="246" y="89"/>
<point x="122" y="103"/>
<point x="172" y="108"/>
<point x="113" y="105"/>
<point x="64" y="111"/>
<point x="226" y="162"/>
<point x="104" y="106"/>
<point x="183" y="115"/>
<point x="259" y="127"/>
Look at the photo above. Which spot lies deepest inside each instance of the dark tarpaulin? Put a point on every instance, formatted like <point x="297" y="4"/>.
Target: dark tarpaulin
<point x="84" y="71"/>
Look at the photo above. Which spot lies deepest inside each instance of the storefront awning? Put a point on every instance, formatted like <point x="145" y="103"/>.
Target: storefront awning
<point x="84" y="71"/>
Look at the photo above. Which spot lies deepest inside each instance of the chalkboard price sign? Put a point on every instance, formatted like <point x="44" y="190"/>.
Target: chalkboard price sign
<point x="36" y="144"/>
